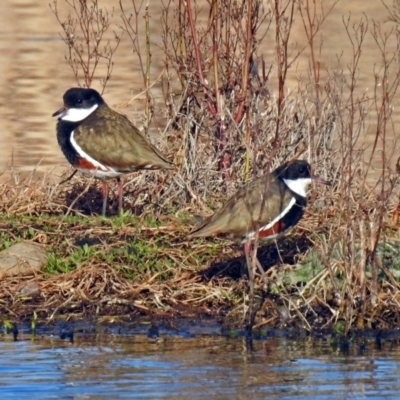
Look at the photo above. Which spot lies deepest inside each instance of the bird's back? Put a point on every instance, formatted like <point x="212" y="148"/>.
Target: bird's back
<point x="111" y="139"/>
<point x="254" y="205"/>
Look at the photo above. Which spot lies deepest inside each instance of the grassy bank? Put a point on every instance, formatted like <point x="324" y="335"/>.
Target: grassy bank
<point x="128" y="266"/>
<point x="230" y="116"/>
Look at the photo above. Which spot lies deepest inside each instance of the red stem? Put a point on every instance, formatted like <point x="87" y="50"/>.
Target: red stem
<point x="245" y="81"/>
<point x="198" y="58"/>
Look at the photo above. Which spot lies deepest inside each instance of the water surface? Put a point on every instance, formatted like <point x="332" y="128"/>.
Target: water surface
<point x="178" y="365"/>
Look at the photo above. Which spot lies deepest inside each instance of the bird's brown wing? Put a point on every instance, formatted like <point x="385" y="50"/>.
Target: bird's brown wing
<point x="126" y="149"/>
<point x="255" y="205"/>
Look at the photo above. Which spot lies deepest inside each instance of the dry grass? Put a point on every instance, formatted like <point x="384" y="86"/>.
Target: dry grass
<point x="120" y="265"/>
<point x="136" y="265"/>
<point x="224" y="126"/>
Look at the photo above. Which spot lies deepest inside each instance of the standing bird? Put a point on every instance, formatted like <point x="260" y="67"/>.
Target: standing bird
<point x="100" y="142"/>
<point x="269" y="205"/>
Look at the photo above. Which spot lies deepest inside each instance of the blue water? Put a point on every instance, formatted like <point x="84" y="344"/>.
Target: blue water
<point x="110" y="366"/>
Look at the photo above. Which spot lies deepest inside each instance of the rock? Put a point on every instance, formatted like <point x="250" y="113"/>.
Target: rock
<point x="24" y="258"/>
<point x="29" y="289"/>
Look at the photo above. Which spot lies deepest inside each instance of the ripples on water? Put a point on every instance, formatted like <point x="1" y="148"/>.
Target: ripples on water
<point x="182" y="366"/>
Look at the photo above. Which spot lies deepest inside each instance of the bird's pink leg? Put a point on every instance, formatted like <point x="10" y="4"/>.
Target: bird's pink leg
<point x="105" y="197"/>
<point x="120" y="188"/>
<point x="259" y="266"/>
<point x="247" y="252"/>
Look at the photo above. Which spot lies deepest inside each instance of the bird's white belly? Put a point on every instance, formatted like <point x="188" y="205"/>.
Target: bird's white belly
<point x="101" y="174"/>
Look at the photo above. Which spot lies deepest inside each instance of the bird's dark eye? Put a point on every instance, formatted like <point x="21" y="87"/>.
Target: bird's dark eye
<point x="79" y="101"/>
<point x="301" y="170"/>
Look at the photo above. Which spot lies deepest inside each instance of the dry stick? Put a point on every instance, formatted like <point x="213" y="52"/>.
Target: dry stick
<point x="348" y="163"/>
<point x="69" y="178"/>
<point x="198" y="59"/>
<point x="389" y="274"/>
<point x="124" y="105"/>
<point x="315" y="68"/>
<point x="375" y="236"/>
<point x="182" y="80"/>
<point x="148" y="64"/>
<point x="60" y="183"/>
<point x="245" y="77"/>
<point x="75" y="200"/>
<point x="88" y="77"/>
<point x="84" y="24"/>
<point x="283" y="65"/>
<point x="59" y="307"/>
<point x="314" y="25"/>
<point x="281" y="80"/>
<point x="282" y="71"/>
<point x="291" y="302"/>
<point x="214" y="112"/>
<point x="225" y="161"/>
<point x="247" y="140"/>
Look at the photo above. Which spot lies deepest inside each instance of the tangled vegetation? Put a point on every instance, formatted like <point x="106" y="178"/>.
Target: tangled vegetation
<point x="230" y="117"/>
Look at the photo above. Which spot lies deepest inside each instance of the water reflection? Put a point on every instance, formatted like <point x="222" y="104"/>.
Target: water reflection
<point x="181" y="368"/>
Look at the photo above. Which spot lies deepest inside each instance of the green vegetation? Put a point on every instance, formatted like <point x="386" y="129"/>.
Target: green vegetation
<point x="230" y="115"/>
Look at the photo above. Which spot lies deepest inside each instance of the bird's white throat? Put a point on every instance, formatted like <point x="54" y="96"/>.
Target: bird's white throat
<point x="298" y="186"/>
<point x="77" y="114"/>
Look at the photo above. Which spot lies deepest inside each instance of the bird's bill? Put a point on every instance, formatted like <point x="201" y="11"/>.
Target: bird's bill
<point x="62" y="110"/>
<point x="322" y="181"/>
